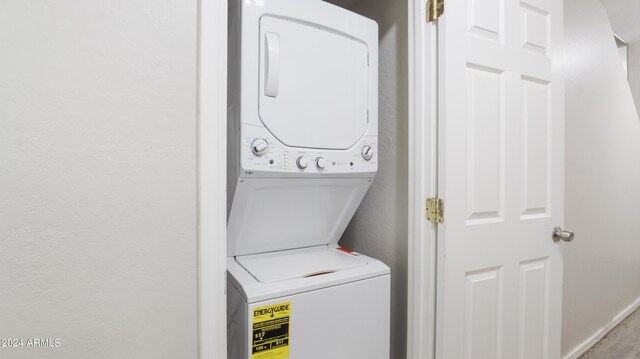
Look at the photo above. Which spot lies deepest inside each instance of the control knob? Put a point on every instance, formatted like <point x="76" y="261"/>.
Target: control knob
<point x="302" y="162"/>
<point x="367" y="152"/>
<point x="321" y="163"/>
<point x="259" y="147"/>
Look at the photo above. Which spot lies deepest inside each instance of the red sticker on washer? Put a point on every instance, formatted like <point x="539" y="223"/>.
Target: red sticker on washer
<point x="342" y="249"/>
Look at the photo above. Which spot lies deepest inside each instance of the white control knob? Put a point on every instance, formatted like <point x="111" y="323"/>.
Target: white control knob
<point x="321" y="162"/>
<point x="259" y="147"/>
<point x="302" y="162"/>
<point x="367" y="152"/>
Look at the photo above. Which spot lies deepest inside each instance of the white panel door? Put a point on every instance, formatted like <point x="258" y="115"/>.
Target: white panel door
<point x="502" y="122"/>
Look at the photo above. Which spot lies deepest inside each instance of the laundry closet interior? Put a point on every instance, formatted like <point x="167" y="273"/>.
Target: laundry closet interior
<point x="302" y="218"/>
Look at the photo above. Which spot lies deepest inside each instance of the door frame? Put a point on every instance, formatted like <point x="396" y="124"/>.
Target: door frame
<point x="212" y="178"/>
<point x="423" y="183"/>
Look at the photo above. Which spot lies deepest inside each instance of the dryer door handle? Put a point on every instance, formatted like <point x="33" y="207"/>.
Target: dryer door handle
<point x="272" y="59"/>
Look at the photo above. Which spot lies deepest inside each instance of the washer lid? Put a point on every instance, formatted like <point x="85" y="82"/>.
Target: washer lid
<point x="314" y="84"/>
<point x="299" y="263"/>
<point x="275" y="214"/>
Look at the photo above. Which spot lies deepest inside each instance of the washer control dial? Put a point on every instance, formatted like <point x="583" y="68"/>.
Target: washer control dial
<point x="321" y="163"/>
<point x="367" y="152"/>
<point x="302" y="162"/>
<point x="259" y="147"/>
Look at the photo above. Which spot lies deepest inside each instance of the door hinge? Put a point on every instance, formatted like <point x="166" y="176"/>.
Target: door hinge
<point x="435" y="210"/>
<point x="435" y="8"/>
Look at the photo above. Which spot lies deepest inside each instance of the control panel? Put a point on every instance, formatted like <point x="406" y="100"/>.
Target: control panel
<point x="261" y="152"/>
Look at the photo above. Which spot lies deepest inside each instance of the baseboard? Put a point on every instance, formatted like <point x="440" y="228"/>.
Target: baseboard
<point x="600" y="333"/>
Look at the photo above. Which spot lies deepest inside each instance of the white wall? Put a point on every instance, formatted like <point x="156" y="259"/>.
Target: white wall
<point x="379" y="227"/>
<point x="98" y="140"/>
<point x="623" y="52"/>
<point x="602" y="267"/>
<point x="633" y="66"/>
<point x="623" y="15"/>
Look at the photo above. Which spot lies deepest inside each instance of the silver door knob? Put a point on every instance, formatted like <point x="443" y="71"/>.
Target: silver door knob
<point x="560" y="234"/>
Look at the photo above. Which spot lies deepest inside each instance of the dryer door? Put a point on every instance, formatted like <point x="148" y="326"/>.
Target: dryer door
<point x="314" y="84"/>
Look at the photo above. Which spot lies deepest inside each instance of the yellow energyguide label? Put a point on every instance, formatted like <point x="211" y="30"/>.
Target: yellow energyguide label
<point x="271" y="331"/>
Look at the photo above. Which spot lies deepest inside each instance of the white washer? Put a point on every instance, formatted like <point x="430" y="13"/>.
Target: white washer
<point x="342" y="314"/>
<point x="302" y="154"/>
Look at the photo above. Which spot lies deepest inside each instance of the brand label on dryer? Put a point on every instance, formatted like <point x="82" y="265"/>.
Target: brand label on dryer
<point x="271" y="331"/>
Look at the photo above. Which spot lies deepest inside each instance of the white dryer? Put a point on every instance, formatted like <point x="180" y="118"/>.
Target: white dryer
<point x="303" y="143"/>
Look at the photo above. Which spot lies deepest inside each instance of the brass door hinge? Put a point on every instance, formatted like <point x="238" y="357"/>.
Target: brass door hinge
<point x="435" y="210"/>
<point x="435" y="8"/>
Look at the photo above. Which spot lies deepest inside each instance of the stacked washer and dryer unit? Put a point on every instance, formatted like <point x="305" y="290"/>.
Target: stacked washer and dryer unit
<point x="303" y="150"/>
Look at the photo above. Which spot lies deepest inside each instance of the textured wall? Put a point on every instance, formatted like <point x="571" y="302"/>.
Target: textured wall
<point x="379" y="228"/>
<point x="602" y="267"/>
<point x="98" y="178"/>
